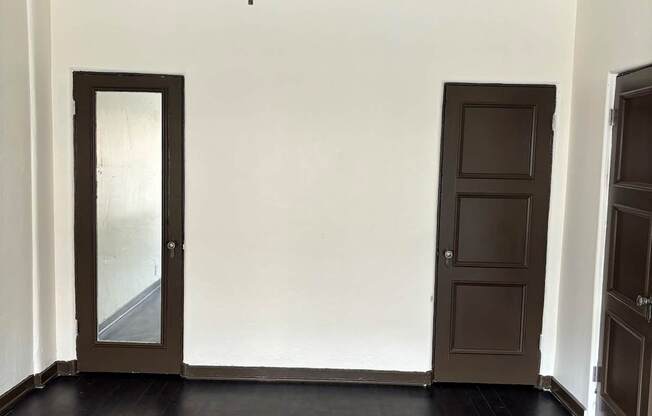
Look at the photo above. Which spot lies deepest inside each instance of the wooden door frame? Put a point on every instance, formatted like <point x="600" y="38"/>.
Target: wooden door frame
<point x="439" y="198"/>
<point x="600" y="280"/>
<point x="166" y="357"/>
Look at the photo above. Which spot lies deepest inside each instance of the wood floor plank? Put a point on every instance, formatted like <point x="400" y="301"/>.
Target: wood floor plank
<point x="493" y="400"/>
<point x="527" y="401"/>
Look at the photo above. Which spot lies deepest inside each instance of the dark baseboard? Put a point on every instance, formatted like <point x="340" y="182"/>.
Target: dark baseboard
<point x="562" y="395"/>
<point x="42" y="378"/>
<point x="67" y="368"/>
<point x="132" y="303"/>
<point x="306" y="375"/>
<point x="9" y="399"/>
<point x="39" y="380"/>
<point x="544" y="382"/>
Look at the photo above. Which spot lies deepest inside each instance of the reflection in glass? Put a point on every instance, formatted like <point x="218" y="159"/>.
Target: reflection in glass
<point x="129" y="215"/>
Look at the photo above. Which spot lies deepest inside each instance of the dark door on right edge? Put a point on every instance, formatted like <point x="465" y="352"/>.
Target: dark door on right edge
<point x="627" y="331"/>
<point x="493" y="222"/>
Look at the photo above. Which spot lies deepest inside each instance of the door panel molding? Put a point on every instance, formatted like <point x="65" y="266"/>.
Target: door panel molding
<point x="525" y="231"/>
<point x="518" y="323"/>
<point x="612" y="320"/>
<point x="531" y="144"/>
<point x="621" y="211"/>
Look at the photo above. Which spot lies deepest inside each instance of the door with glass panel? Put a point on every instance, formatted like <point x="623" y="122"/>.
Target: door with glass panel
<point x="129" y="221"/>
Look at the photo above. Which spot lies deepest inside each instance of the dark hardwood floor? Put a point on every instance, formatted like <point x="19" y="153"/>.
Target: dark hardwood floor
<point x="142" y="395"/>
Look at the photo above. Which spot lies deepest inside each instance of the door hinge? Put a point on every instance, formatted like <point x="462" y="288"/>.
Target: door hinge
<point x="540" y="341"/>
<point x="612" y="116"/>
<point x="554" y="122"/>
<point x="74" y="107"/>
<point x="597" y="374"/>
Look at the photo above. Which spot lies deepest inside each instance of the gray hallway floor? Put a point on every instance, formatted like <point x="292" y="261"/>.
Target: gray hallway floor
<point x="141" y="324"/>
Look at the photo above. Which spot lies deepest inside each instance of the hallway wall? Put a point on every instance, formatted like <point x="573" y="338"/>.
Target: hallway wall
<point x="16" y="345"/>
<point x="611" y="37"/>
<point x="27" y="315"/>
<point x="312" y="138"/>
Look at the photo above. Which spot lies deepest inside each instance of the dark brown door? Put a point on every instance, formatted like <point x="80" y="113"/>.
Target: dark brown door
<point x="627" y="332"/>
<point x="493" y="220"/>
<point x="129" y="222"/>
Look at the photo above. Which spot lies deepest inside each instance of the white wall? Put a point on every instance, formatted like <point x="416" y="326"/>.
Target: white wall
<point x="312" y="137"/>
<point x="16" y="346"/>
<point x="611" y="37"/>
<point x="27" y="315"/>
<point x="44" y="323"/>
